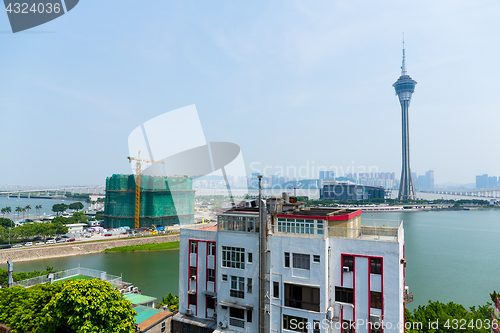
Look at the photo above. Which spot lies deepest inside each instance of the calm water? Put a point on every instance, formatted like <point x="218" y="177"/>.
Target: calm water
<point x="155" y="273"/>
<point x="46" y="205"/>
<point x="451" y="256"/>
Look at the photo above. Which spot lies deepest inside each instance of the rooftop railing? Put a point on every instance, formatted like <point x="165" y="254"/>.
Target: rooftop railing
<point x="112" y="279"/>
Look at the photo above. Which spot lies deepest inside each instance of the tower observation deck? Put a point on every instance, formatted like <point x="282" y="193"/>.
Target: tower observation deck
<point x="405" y="86"/>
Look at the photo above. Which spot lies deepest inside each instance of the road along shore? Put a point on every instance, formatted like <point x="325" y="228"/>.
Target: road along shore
<point x="77" y="248"/>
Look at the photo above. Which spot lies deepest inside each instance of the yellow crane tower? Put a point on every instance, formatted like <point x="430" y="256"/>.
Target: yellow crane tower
<point x="138" y="159"/>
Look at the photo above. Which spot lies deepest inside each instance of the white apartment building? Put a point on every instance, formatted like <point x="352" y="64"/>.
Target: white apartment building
<point x="326" y="272"/>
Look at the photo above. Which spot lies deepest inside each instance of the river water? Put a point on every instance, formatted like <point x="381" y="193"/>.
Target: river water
<point x="451" y="256"/>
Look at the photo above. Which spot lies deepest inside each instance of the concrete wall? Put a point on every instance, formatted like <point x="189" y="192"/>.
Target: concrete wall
<point x="76" y="248"/>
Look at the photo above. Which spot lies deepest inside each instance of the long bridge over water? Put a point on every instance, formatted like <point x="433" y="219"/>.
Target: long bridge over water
<point x="32" y="191"/>
<point x="491" y="193"/>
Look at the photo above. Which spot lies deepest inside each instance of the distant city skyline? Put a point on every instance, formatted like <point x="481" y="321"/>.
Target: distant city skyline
<point x="291" y="83"/>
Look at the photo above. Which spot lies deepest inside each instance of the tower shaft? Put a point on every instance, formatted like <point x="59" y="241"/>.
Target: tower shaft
<point x="406" y="187"/>
<point x="405" y="86"/>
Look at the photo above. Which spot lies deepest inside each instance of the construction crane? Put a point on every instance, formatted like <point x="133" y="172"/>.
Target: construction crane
<point x="138" y="159"/>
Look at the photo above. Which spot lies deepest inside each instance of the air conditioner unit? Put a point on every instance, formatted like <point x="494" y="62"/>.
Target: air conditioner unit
<point x="345" y="269"/>
<point x="193" y="277"/>
<point x="374" y="319"/>
<point x="223" y="324"/>
<point x="189" y="312"/>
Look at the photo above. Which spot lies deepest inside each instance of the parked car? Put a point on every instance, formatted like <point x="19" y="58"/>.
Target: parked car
<point x="88" y="235"/>
<point x="64" y="236"/>
<point x="61" y="241"/>
<point x="51" y="241"/>
<point x="39" y="244"/>
<point x="6" y="246"/>
<point x="17" y="246"/>
<point x="28" y="244"/>
<point x="71" y="240"/>
<point x="107" y="235"/>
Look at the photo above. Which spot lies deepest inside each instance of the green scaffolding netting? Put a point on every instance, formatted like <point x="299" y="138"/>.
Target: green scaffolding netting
<point x="164" y="201"/>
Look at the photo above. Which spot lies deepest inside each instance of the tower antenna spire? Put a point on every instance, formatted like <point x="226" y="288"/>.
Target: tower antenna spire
<point x="403" y="67"/>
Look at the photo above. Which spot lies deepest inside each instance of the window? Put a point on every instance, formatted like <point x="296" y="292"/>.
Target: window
<point x="316" y="326"/>
<point x="211" y="249"/>
<point x="287" y="259"/>
<point x="249" y="285"/>
<point x="163" y="327"/>
<point x="236" y="317"/>
<point x="224" y="277"/>
<point x="343" y="294"/>
<point x="375" y="265"/>
<point x="276" y="289"/>
<point x="301" y="261"/>
<point x="319" y="224"/>
<point x="295" y="324"/>
<point x="375" y="327"/>
<point x="192" y="299"/>
<point x="347" y="326"/>
<point x="376" y="300"/>
<point x="249" y="316"/>
<point x="250" y="224"/>
<point x="296" y="226"/>
<point x="316" y="258"/>
<point x="302" y="297"/>
<point x="192" y="272"/>
<point x="237" y="287"/>
<point x="193" y="246"/>
<point x="210" y="302"/>
<point x="211" y="275"/>
<point x="348" y="262"/>
<point x="250" y="257"/>
<point x="233" y="257"/>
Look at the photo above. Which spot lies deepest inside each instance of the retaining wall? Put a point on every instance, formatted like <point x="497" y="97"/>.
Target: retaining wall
<point x="76" y="248"/>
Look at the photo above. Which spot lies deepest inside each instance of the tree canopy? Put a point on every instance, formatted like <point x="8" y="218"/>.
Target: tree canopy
<point x="450" y="317"/>
<point x="81" y="306"/>
<point x="76" y="206"/>
<point x="59" y="208"/>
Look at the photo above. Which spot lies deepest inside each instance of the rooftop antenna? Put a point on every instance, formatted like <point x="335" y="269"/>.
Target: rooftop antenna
<point x="403" y="67"/>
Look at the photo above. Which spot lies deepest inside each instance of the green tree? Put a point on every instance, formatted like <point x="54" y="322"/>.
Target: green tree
<point x="28" y="207"/>
<point x="79" y="217"/>
<point x="76" y="206"/>
<point x="18" y="210"/>
<point x="91" y="306"/>
<point x="8" y="210"/>
<point x="38" y="208"/>
<point x="6" y="223"/>
<point x="22" y="308"/>
<point x="59" y="208"/>
<point x="444" y="315"/>
<point x="171" y="301"/>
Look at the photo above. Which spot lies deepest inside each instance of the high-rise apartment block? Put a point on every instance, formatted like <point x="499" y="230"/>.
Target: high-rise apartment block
<point x="323" y="271"/>
<point x="485" y="181"/>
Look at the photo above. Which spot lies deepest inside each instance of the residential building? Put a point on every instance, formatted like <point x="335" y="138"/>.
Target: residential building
<point x="323" y="270"/>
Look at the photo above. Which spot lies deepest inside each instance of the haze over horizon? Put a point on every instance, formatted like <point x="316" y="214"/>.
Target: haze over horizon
<point x="292" y="83"/>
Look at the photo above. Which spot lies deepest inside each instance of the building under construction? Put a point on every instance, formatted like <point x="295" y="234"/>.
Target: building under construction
<point x="164" y="201"/>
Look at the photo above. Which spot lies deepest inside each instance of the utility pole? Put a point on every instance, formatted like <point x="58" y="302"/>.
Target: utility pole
<point x="262" y="259"/>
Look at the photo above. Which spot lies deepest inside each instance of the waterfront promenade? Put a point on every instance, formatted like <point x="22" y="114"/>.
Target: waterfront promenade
<point x="78" y="248"/>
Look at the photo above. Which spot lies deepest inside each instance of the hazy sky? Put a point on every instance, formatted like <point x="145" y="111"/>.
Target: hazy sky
<point x="294" y="83"/>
